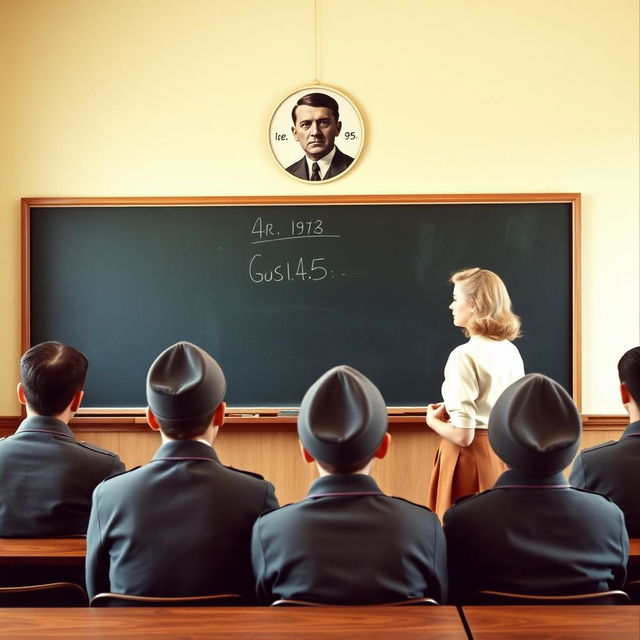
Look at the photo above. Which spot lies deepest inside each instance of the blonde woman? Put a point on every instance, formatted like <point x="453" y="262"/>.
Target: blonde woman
<point x="475" y="375"/>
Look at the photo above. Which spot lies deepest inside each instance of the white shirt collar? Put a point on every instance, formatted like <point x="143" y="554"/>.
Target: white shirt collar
<point x="324" y="163"/>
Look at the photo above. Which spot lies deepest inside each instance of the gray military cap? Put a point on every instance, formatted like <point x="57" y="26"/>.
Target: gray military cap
<point x="343" y="417"/>
<point x="184" y="382"/>
<point x="534" y="426"/>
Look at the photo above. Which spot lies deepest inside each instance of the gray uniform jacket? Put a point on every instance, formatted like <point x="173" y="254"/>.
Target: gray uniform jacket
<point x="535" y="535"/>
<point x="613" y="469"/>
<point x="178" y="526"/>
<point x="47" y="478"/>
<point x="348" y="543"/>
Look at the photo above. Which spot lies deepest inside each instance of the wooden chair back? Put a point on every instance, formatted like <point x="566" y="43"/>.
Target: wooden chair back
<point x="287" y="602"/>
<point x="126" y="600"/>
<point x="51" y="594"/>
<point x="503" y="597"/>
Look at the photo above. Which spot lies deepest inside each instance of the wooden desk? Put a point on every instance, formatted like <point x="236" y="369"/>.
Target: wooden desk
<point x="234" y="623"/>
<point x="563" y="622"/>
<point x="42" y="551"/>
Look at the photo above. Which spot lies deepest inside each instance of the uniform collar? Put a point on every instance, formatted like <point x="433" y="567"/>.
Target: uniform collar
<point x="343" y="484"/>
<point x="185" y="450"/>
<point x="632" y="430"/>
<point x="513" y="479"/>
<point x="45" y="424"/>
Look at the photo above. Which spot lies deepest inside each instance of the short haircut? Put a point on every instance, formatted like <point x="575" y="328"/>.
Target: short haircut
<point x="317" y="100"/>
<point x="629" y="372"/>
<point x="52" y="373"/>
<point x="185" y="429"/>
<point x="492" y="316"/>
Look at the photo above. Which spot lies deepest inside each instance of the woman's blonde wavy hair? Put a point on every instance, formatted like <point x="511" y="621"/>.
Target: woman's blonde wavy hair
<point x="492" y="316"/>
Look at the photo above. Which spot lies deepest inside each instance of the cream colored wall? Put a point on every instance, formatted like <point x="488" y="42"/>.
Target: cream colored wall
<point x="173" y="97"/>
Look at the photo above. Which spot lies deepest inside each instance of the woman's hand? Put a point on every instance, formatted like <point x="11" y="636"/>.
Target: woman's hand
<point x="439" y="420"/>
<point x="437" y="411"/>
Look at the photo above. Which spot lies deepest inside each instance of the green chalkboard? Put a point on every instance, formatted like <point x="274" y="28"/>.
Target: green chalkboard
<point x="280" y="292"/>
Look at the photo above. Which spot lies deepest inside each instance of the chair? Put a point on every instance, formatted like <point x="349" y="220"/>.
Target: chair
<point x="126" y="600"/>
<point x="53" y="594"/>
<point x="420" y="602"/>
<point x="502" y="597"/>
<point x="632" y="589"/>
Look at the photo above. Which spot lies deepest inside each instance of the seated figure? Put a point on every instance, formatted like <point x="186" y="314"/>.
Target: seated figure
<point x="180" y="525"/>
<point x="46" y="475"/>
<point x="347" y="542"/>
<point x="533" y="533"/>
<point x="613" y="468"/>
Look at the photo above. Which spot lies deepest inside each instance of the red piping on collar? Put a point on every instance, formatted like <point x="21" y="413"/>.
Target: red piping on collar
<point x="179" y="458"/>
<point x="346" y="493"/>
<point x="534" y="486"/>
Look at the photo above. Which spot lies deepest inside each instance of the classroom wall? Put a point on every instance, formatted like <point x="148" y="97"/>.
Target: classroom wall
<point x="173" y="97"/>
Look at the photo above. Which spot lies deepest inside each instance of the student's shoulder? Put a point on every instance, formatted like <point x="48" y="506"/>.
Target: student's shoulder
<point x="599" y="449"/>
<point x="473" y="501"/>
<point x="95" y="449"/>
<point x="244" y="477"/>
<point x="592" y="497"/>
<point x="402" y="504"/>
<point x="117" y="481"/>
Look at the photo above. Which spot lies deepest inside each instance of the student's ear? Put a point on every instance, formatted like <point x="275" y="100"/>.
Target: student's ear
<point x="383" y="447"/>
<point x="76" y="400"/>
<point x="305" y="454"/>
<point x="20" y="391"/>
<point x="218" y="416"/>
<point x="152" y="421"/>
<point x="625" y="396"/>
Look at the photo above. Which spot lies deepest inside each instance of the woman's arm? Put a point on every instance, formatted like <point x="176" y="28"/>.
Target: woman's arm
<point x="438" y="420"/>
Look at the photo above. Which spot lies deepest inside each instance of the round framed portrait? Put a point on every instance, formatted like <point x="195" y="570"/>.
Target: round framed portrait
<point x="316" y="134"/>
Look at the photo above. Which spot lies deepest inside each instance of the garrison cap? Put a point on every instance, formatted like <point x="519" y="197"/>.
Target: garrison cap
<point x="184" y="382"/>
<point x="343" y="417"/>
<point x="534" y="426"/>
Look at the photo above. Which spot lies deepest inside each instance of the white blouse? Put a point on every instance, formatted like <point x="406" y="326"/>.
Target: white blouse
<point x="476" y="373"/>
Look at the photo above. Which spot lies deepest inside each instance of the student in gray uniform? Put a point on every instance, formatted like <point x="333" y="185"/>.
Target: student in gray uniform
<point x="180" y="525"/>
<point x="46" y="475"/>
<point x="533" y="533"/>
<point x="613" y="468"/>
<point x="347" y="542"/>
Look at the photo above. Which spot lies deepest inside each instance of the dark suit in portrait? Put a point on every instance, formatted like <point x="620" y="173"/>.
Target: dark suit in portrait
<point x="537" y="535"/>
<point x="178" y="526"/>
<point x="613" y="469"/>
<point x="348" y="543"/>
<point x="47" y="478"/>
<point x="340" y="162"/>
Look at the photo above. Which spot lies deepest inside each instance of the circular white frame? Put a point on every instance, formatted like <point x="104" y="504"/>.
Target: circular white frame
<point x="286" y="149"/>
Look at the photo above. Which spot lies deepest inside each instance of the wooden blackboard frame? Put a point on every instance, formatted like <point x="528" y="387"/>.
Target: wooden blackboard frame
<point x="128" y="415"/>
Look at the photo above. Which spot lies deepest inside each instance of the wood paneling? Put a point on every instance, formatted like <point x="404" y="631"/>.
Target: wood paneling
<point x="270" y="447"/>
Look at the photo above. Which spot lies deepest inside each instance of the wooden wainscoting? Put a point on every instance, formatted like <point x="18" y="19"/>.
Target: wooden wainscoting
<point x="270" y="447"/>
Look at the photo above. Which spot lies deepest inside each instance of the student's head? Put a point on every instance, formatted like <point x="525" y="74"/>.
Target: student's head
<point x="629" y="374"/>
<point x="534" y="426"/>
<point x="481" y="305"/>
<point x="185" y="392"/>
<point x="52" y="377"/>
<point x="342" y="423"/>
<point x="316" y="124"/>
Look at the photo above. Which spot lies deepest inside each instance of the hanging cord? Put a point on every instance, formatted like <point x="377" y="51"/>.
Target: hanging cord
<point x="315" y="38"/>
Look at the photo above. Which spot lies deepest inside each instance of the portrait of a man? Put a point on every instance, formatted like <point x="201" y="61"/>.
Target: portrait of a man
<point x="316" y="124"/>
<point x="322" y="125"/>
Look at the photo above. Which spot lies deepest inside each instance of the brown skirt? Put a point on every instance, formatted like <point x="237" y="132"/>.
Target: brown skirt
<point x="461" y="471"/>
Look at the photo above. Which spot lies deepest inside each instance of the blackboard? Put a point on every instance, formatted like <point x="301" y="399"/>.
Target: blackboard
<point x="280" y="291"/>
